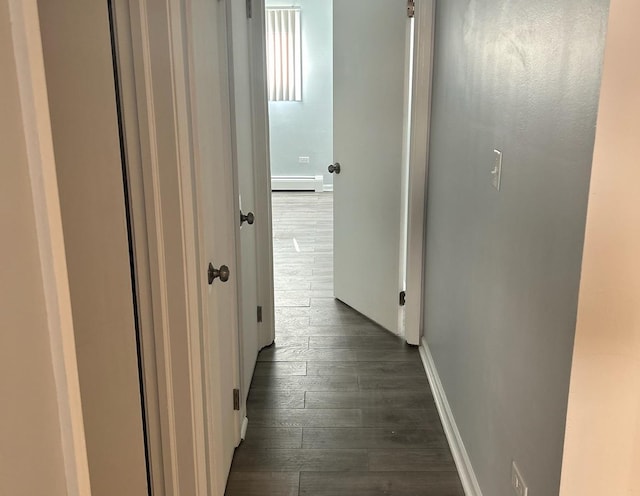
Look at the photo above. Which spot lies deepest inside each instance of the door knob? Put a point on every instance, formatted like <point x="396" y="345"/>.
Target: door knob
<point x="248" y="218"/>
<point x="222" y="273"/>
<point x="335" y="168"/>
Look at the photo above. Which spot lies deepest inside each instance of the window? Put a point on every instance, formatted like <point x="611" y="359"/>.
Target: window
<point x="284" y="54"/>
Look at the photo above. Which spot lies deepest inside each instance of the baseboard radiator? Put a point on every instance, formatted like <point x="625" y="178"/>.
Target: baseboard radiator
<point x="297" y="183"/>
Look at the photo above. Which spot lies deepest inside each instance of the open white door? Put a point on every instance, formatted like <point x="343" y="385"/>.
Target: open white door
<point x="217" y="205"/>
<point x="368" y="112"/>
<point x="240" y="86"/>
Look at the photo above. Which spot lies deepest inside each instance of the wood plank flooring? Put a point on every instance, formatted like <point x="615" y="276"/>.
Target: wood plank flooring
<point x="338" y="406"/>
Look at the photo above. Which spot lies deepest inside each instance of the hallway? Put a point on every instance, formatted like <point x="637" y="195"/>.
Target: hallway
<point x="338" y="406"/>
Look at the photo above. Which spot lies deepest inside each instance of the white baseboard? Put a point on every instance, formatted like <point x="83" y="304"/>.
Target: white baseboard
<point x="328" y="188"/>
<point x="459" y="452"/>
<point x="297" y="183"/>
<point x="243" y="429"/>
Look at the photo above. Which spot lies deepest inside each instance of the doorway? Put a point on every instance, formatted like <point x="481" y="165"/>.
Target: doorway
<point x="299" y="47"/>
<point x="338" y="77"/>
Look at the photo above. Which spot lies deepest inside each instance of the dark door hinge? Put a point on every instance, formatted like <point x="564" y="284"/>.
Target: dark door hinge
<point x="259" y="314"/>
<point x="249" y="9"/>
<point x="236" y="399"/>
<point x="411" y="8"/>
<point x="403" y="298"/>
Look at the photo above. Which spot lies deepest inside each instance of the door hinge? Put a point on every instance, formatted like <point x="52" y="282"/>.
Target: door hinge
<point x="411" y="8"/>
<point x="249" y="9"/>
<point x="403" y="298"/>
<point x="259" y="314"/>
<point x="236" y="399"/>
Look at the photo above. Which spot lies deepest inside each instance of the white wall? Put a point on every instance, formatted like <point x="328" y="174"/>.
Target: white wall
<point x="80" y="83"/>
<point x="306" y="128"/>
<point x="602" y="445"/>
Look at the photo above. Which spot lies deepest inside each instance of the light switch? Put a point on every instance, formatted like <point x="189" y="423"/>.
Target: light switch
<point x="496" y="169"/>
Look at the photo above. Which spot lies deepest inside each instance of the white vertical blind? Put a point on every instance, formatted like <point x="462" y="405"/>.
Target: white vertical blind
<point x="284" y="54"/>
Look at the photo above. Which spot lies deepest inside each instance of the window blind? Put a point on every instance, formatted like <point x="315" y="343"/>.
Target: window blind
<point x="284" y="54"/>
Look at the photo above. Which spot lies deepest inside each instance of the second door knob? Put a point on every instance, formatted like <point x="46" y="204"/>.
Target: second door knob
<point x="248" y="218"/>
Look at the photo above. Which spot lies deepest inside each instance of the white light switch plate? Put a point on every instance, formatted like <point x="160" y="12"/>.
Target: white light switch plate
<point x="496" y="170"/>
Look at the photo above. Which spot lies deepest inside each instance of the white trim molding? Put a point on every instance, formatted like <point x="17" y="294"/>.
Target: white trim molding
<point x="262" y="171"/>
<point x="243" y="430"/>
<point x="418" y="168"/>
<point x="297" y="183"/>
<point x="459" y="452"/>
<point x="30" y="71"/>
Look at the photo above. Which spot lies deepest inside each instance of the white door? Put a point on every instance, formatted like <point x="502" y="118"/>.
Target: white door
<point x="217" y="204"/>
<point x="368" y="110"/>
<point x="240" y="85"/>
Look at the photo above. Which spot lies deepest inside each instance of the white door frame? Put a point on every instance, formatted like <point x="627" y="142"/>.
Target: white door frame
<point x="418" y="167"/>
<point x="418" y="161"/>
<point x="36" y="121"/>
<point x="182" y="388"/>
<point x="124" y="53"/>
<point x="262" y="170"/>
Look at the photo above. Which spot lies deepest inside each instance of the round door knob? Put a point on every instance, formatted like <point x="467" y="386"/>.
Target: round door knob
<point x="248" y="218"/>
<point x="335" y="168"/>
<point x="222" y="273"/>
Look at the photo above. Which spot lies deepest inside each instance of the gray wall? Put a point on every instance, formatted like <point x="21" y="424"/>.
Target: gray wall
<point x="306" y="128"/>
<point x="503" y="268"/>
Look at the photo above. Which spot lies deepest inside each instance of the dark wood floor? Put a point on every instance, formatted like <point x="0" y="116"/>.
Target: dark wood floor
<point x="338" y="406"/>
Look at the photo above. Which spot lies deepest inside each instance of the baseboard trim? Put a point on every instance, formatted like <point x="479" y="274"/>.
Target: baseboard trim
<point x="297" y="183"/>
<point x="459" y="452"/>
<point x="328" y="188"/>
<point x="243" y="429"/>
